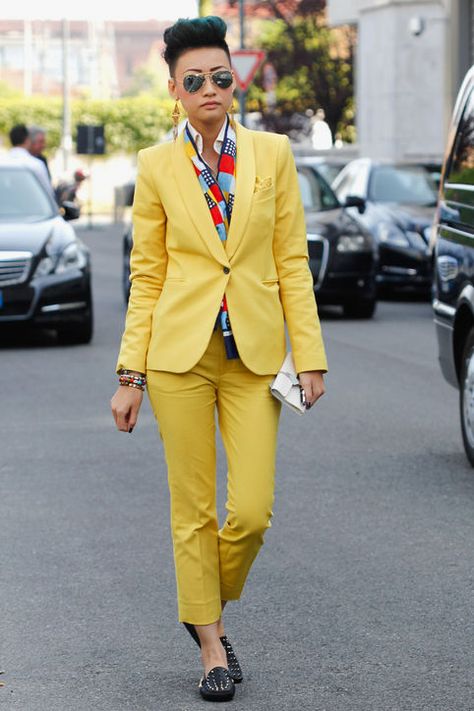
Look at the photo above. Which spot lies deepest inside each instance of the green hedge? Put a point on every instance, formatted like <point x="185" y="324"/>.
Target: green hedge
<point x="130" y="124"/>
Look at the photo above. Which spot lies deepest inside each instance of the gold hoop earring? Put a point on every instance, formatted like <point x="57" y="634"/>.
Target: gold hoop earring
<point x="176" y="115"/>
<point x="232" y="112"/>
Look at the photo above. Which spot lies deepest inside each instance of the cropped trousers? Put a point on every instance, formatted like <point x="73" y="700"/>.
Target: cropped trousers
<point x="212" y="562"/>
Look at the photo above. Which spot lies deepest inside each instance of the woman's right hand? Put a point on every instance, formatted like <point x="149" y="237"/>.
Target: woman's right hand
<point x="125" y="406"/>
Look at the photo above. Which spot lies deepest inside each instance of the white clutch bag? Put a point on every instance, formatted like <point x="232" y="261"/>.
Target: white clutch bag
<point x="286" y="386"/>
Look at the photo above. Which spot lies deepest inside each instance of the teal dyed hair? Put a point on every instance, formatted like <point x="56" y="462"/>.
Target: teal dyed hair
<point x="186" y="34"/>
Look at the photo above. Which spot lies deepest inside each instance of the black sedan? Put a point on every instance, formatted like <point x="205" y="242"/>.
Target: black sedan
<point x="342" y="254"/>
<point x="45" y="277"/>
<point x="396" y="204"/>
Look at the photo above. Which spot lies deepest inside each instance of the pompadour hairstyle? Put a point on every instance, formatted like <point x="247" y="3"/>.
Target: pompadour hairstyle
<point x="187" y="34"/>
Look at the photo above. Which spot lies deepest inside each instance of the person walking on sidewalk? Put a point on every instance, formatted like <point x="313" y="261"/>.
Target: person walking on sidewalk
<point x="219" y="263"/>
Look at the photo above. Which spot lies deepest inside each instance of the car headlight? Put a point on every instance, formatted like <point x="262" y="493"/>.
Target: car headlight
<point x="72" y="257"/>
<point x="387" y="232"/>
<point x="46" y="266"/>
<point x="353" y="243"/>
<point x="417" y="240"/>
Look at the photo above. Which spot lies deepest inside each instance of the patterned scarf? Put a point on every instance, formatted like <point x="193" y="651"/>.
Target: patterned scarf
<point x="219" y="195"/>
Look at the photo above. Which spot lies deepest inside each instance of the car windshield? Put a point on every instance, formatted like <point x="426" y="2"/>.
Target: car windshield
<point x="315" y="192"/>
<point x="22" y="199"/>
<point x="402" y="184"/>
<point x="329" y="171"/>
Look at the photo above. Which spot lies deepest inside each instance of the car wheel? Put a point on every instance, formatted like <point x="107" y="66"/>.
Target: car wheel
<point x="360" y="308"/>
<point x="466" y="397"/>
<point x="79" y="332"/>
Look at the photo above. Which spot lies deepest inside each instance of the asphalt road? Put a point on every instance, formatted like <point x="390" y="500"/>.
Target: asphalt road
<point x="361" y="597"/>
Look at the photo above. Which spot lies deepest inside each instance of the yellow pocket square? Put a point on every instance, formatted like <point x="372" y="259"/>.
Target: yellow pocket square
<point x="262" y="184"/>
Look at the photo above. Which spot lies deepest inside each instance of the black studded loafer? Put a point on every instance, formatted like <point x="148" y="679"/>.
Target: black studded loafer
<point x="217" y="685"/>
<point x="232" y="662"/>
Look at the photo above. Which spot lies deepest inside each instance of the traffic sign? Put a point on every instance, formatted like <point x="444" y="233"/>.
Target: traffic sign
<point x="245" y="63"/>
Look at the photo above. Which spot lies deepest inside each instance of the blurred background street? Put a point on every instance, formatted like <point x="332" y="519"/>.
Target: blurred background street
<point x="362" y="598"/>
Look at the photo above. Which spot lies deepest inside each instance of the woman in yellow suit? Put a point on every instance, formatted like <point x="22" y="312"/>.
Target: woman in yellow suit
<point x="219" y="263"/>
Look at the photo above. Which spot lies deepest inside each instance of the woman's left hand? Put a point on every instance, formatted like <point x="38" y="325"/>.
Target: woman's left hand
<point x="313" y="385"/>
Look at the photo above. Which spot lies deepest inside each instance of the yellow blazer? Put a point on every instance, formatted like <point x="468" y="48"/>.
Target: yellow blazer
<point x="180" y="269"/>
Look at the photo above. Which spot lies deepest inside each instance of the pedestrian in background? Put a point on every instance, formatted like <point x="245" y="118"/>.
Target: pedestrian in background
<point x="20" y="152"/>
<point x="38" y="145"/>
<point x="219" y="262"/>
<point x="321" y="135"/>
<point x="66" y="191"/>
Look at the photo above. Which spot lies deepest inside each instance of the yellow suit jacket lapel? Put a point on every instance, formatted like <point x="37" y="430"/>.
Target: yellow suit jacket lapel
<point x="244" y="187"/>
<point x="193" y="198"/>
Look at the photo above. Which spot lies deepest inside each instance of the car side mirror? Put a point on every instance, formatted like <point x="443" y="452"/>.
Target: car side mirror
<point x="69" y="210"/>
<point x="355" y="201"/>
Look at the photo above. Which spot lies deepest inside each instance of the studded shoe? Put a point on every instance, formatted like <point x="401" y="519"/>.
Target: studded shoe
<point x="217" y="685"/>
<point x="232" y="662"/>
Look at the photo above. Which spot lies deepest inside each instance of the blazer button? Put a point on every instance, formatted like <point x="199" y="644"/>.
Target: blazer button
<point x="226" y="270"/>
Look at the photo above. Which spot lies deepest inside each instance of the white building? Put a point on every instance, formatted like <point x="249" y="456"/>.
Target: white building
<point x="411" y="59"/>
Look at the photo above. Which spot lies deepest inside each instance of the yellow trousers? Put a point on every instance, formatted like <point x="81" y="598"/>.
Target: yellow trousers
<point x="211" y="563"/>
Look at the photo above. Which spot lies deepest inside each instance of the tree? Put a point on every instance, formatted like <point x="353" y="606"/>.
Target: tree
<point x="130" y="123"/>
<point x="204" y="7"/>
<point x="282" y="9"/>
<point x="314" y="63"/>
<point x="314" y="66"/>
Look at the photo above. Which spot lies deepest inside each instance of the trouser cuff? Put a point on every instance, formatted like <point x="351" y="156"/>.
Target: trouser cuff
<point x="199" y="613"/>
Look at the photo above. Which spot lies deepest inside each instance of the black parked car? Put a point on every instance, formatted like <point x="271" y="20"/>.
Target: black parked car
<point x="45" y="275"/>
<point x="453" y="246"/>
<point x="342" y="253"/>
<point x="396" y="204"/>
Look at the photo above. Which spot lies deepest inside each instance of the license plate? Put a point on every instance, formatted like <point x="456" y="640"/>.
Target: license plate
<point x="1" y="299"/>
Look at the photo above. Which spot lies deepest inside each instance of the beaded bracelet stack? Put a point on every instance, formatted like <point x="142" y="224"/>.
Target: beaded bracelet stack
<point x="132" y="380"/>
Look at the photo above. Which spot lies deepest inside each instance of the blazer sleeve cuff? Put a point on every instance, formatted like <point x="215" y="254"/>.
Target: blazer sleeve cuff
<point x="137" y="365"/>
<point x="303" y="364"/>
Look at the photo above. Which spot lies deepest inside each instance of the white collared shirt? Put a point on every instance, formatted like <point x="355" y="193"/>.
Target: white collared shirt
<point x="197" y="138"/>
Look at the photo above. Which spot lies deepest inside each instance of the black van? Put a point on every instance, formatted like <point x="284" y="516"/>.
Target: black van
<point x="452" y="242"/>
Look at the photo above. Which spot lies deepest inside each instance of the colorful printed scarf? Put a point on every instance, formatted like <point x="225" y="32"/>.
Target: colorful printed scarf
<point x="219" y="195"/>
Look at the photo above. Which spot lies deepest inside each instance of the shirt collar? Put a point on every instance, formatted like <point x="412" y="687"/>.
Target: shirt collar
<point x="197" y="138"/>
<point x="19" y="150"/>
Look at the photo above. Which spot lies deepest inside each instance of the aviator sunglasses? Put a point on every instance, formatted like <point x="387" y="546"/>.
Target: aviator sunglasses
<point x="193" y="82"/>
